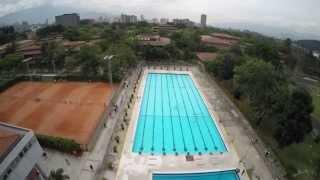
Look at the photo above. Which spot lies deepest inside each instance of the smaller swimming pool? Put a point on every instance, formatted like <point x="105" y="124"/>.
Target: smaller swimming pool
<point x="221" y="175"/>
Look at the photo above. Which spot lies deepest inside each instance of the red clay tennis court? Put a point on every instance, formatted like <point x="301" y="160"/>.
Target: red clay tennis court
<point x="69" y="110"/>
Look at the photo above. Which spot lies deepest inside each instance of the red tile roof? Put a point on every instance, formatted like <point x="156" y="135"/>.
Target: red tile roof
<point x="218" y="42"/>
<point x="206" y="56"/>
<point x="225" y="36"/>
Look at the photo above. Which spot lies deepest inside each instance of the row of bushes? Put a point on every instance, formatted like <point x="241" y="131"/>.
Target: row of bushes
<point x="60" y="144"/>
<point x="5" y="84"/>
<point x="70" y="78"/>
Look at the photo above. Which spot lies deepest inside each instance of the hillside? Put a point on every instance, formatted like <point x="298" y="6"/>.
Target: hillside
<point x="41" y="13"/>
<point x="310" y="44"/>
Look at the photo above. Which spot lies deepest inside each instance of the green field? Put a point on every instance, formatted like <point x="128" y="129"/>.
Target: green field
<point x="316" y="102"/>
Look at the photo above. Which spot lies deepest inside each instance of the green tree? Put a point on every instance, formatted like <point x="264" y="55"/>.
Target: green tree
<point x="124" y="58"/>
<point x="186" y="39"/>
<point x="58" y="175"/>
<point x="297" y="122"/>
<point x="53" y="29"/>
<point x="113" y="35"/>
<point x="265" y="50"/>
<point x="7" y="34"/>
<point x="12" y="62"/>
<point x="54" y="55"/>
<point x="71" y="63"/>
<point x="316" y="173"/>
<point x="223" y="66"/>
<point x="264" y="86"/>
<point x="90" y="61"/>
<point x="71" y="34"/>
<point x="154" y="52"/>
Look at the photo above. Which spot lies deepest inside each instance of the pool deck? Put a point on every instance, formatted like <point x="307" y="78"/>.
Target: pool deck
<point x="137" y="167"/>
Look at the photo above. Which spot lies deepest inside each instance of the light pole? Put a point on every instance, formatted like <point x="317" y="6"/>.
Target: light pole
<point x="26" y="61"/>
<point x="109" y="58"/>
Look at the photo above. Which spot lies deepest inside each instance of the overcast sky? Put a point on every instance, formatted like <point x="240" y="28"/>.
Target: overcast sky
<point x="299" y="15"/>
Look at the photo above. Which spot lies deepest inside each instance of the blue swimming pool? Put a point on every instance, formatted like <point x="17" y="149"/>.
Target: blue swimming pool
<point x="173" y="118"/>
<point x="223" y="175"/>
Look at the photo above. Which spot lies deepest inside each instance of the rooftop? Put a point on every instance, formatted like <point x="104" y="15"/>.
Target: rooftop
<point x="153" y="40"/>
<point x="225" y="36"/>
<point x="206" y="56"/>
<point x="218" y="41"/>
<point x="9" y="137"/>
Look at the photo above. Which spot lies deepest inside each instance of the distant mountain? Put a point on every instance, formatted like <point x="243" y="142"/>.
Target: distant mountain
<point x="278" y="32"/>
<point x="41" y="13"/>
<point x="309" y="44"/>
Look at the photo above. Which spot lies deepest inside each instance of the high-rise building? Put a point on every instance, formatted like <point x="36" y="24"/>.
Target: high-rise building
<point x="203" y="20"/>
<point x="20" y="154"/>
<point x="128" y="18"/>
<point x="68" y="19"/>
<point x="185" y="22"/>
<point x="142" y="18"/>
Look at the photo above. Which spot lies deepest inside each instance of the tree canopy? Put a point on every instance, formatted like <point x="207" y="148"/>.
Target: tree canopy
<point x="297" y="121"/>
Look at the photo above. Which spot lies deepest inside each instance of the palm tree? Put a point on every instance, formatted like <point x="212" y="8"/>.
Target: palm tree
<point x="58" y="175"/>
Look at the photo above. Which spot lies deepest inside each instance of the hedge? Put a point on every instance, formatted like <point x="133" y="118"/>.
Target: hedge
<point x="60" y="144"/>
<point x="7" y="83"/>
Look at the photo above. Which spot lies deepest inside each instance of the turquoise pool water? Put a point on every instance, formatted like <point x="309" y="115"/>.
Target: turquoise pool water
<point x="224" y="175"/>
<point x="173" y="118"/>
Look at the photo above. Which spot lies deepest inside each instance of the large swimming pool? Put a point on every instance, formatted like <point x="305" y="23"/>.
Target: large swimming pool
<point x="224" y="175"/>
<point x="173" y="118"/>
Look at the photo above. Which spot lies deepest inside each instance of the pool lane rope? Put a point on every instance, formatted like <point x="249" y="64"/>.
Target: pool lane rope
<point x="194" y="112"/>
<point x="145" y="119"/>
<point x="172" y="129"/>
<point x="175" y="96"/>
<point x="199" y="96"/>
<point x="192" y="135"/>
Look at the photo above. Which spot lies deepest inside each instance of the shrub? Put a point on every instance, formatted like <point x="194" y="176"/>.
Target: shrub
<point x="60" y="144"/>
<point x="236" y="93"/>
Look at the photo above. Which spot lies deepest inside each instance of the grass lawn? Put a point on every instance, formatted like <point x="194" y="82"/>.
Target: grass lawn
<point x="298" y="159"/>
<point x="316" y="102"/>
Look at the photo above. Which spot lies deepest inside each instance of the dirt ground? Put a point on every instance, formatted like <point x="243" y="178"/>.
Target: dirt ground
<point x="70" y="110"/>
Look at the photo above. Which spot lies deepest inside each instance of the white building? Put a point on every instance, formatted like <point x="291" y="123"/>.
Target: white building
<point x="128" y="19"/>
<point x="164" y="21"/>
<point x="316" y="54"/>
<point x="20" y="153"/>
